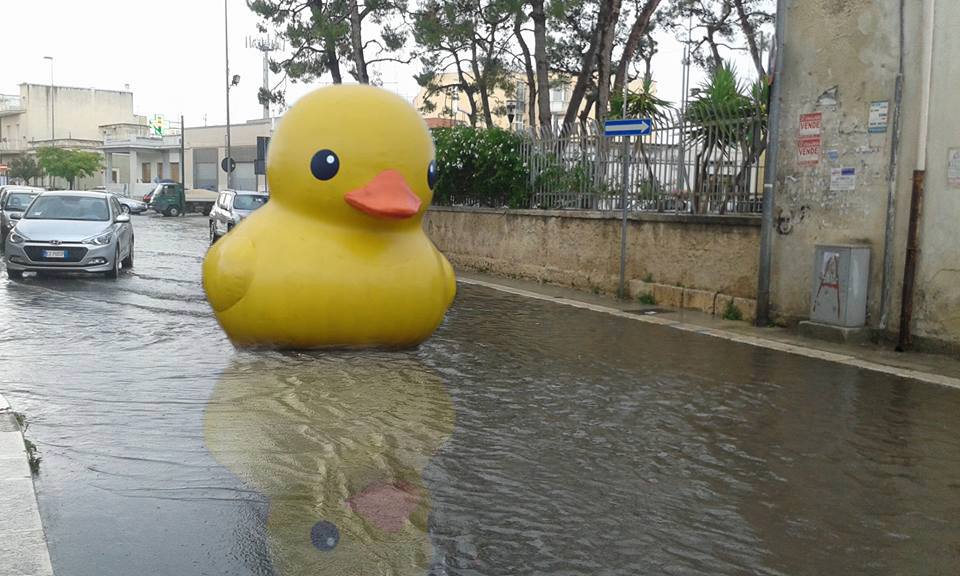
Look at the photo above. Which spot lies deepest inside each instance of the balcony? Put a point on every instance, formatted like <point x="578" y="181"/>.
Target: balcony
<point x="11" y="104"/>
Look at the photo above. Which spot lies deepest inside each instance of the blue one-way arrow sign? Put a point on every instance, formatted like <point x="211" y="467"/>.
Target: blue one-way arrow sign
<point x="628" y="127"/>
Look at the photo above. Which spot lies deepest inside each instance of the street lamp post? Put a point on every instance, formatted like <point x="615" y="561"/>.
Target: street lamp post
<point x="53" y="104"/>
<point x="226" y="41"/>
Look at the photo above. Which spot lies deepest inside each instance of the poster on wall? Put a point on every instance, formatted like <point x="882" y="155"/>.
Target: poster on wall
<point x="843" y="179"/>
<point x="808" y="151"/>
<point x="809" y="142"/>
<point x="953" y="168"/>
<point x="879" y="116"/>
<point x="810" y="124"/>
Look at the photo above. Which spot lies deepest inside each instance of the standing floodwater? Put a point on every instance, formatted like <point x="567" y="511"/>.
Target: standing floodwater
<point x="539" y="439"/>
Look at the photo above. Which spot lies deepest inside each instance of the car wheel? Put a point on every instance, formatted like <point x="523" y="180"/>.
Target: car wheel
<point x="213" y="233"/>
<point x="15" y="274"/>
<point x="128" y="261"/>
<point x="173" y="211"/>
<point x="114" y="272"/>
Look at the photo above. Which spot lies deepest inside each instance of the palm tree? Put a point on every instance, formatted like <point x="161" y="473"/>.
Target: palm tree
<point x="725" y="119"/>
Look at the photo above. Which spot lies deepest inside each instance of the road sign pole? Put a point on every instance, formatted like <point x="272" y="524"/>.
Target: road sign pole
<point x="622" y="290"/>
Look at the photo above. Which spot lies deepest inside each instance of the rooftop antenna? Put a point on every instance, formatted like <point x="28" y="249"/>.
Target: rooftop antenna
<point x="265" y="44"/>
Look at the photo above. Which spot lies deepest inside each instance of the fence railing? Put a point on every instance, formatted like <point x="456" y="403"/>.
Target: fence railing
<point x="707" y="161"/>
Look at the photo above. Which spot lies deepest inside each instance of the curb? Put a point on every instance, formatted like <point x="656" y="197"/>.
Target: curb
<point x="844" y="359"/>
<point x="23" y="544"/>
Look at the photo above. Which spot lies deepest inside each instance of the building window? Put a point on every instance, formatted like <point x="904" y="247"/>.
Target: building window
<point x="145" y="172"/>
<point x="114" y="176"/>
<point x="558" y="97"/>
<point x="175" y="171"/>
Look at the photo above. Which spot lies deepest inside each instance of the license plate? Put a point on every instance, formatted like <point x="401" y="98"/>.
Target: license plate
<point x="54" y="253"/>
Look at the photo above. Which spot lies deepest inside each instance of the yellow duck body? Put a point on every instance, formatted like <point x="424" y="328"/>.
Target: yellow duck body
<point x="338" y="257"/>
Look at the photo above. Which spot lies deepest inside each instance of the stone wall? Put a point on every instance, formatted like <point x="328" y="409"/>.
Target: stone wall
<point x="698" y="262"/>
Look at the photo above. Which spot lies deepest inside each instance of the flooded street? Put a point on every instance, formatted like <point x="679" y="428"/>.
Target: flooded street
<point x="523" y="438"/>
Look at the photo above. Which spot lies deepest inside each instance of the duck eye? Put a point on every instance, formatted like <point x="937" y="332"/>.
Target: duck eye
<point x="432" y="174"/>
<point x="324" y="165"/>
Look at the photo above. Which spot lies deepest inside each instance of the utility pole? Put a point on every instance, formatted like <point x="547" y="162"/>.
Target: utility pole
<point x="183" y="155"/>
<point x="266" y="45"/>
<point x="770" y="173"/>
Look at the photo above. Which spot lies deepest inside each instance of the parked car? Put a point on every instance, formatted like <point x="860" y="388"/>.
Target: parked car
<point x="132" y="205"/>
<point x="13" y="201"/>
<point x="71" y="232"/>
<point x="231" y="208"/>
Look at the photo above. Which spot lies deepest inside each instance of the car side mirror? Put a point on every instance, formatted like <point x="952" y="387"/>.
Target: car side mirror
<point x="15" y="215"/>
<point x="123" y="217"/>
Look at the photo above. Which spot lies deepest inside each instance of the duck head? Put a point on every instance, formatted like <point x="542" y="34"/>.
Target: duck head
<point x="355" y="155"/>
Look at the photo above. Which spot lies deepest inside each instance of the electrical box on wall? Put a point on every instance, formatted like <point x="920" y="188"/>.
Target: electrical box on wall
<point x="841" y="276"/>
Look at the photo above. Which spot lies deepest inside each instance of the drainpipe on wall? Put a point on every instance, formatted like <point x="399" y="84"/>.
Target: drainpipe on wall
<point x="770" y="173"/>
<point x="919" y="179"/>
<point x="893" y="176"/>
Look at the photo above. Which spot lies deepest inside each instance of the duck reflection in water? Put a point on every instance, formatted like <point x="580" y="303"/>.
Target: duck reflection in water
<point x="338" y="443"/>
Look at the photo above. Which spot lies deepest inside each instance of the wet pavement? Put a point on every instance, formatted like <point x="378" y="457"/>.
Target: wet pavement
<point x="524" y="438"/>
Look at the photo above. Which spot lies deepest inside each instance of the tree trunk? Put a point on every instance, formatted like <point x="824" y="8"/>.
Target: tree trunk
<point x="714" y="49"/>
<point x="588" y="61"/>
<point x="330" y="59"/>
<point x="539" y="18"/>
<point x="640" y="27"/>
<point x="481" y="84"/>
<point x="585" y="113"/>
<point x="605" y="61"/>
<point x="468" y="92"/>
<point x="528" y="68"/>
<point x="356" y="44"/>
<point x="750" y="32"/>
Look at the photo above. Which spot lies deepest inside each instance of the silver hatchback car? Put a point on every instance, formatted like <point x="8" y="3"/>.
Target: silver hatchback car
<point x="231" y="208"/>
<point x="71" y="232"/>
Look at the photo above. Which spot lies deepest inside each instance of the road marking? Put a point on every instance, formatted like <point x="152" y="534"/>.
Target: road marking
<point x="844" y="359"/>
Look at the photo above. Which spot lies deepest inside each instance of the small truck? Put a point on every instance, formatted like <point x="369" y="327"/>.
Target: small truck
<point x="170" y="199"/>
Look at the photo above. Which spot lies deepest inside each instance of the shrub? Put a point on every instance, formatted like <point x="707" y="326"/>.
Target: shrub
<point x="479" y="167"/>
<point x="732" y="312"/>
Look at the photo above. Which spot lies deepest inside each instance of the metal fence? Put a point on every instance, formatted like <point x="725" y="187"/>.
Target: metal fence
<point x="707" y="161"/>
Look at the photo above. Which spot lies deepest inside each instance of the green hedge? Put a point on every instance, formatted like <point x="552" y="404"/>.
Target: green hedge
<point x="479" y="167"/>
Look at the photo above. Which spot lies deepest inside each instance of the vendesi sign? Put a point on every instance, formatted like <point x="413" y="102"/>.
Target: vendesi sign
<point x="809" y="141"/>
<point x="628" y="127"/>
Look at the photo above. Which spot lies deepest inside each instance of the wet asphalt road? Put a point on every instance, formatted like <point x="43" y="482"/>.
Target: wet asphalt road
<point x="538" y="439"/>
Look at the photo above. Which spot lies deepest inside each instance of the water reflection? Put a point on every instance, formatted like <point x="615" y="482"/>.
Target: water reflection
<point x="338" y="443"/>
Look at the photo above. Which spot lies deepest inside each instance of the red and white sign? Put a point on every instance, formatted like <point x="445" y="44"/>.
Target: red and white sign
<point x="810" y="124"/>
<point x="808" y="151"/>
<point x="809" y="142"/>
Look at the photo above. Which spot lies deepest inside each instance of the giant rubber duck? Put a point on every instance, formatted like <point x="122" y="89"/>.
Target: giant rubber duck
<point x="338" y="258"/>
<point x="338" y="444"/>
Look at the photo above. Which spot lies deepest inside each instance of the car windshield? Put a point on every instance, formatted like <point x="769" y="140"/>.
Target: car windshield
<point x="249" y="201"/>
<point x="69" y="208"/>
<point x="18" y="201"/>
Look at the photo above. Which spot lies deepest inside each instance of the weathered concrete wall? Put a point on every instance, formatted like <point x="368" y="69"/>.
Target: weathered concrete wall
<point x="937" y="304"/>
<point x="840" y="57"/>
<point x="713" y="255"/>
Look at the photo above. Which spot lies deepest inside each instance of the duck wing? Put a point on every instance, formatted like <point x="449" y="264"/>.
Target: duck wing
<point x="228" y="270"/>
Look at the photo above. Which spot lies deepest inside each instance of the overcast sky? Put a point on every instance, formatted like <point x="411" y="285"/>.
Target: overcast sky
<point x="171" y="54"/>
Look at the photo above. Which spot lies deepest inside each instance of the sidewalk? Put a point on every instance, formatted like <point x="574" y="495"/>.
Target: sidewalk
<point x="930" y="368"/>
<point x="23" y="546"/>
